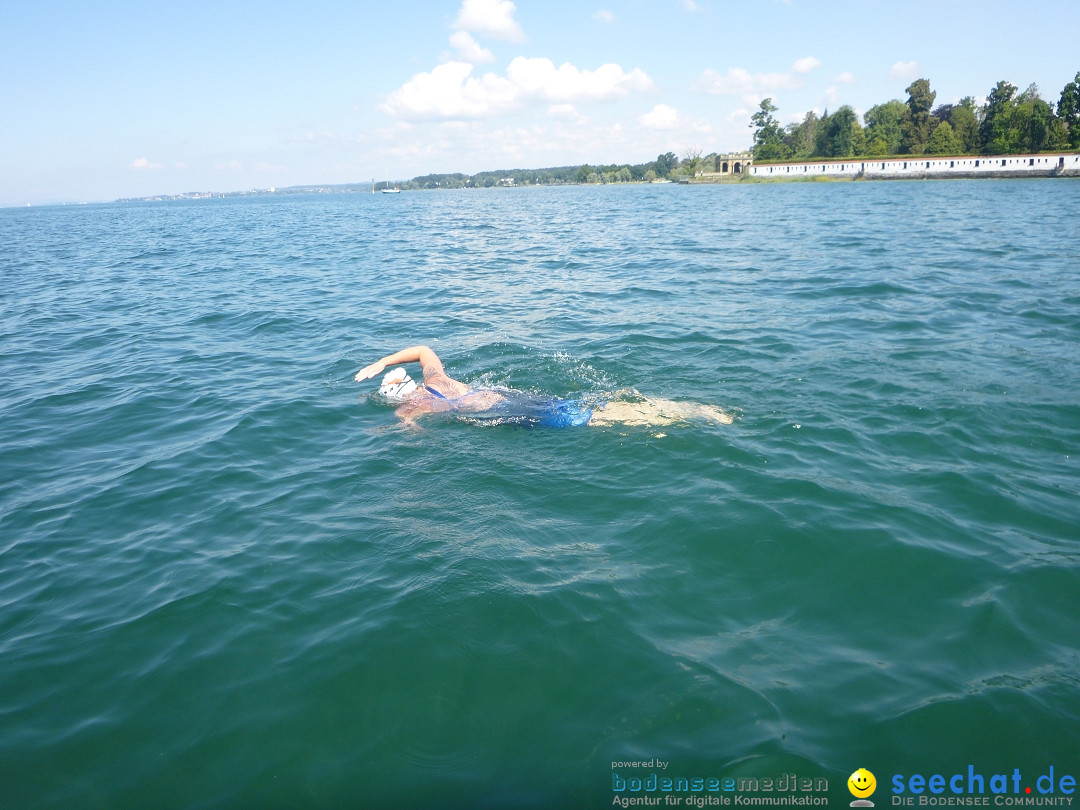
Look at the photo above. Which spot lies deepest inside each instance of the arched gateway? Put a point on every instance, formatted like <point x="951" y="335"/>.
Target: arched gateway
<point x="734" y="163"/>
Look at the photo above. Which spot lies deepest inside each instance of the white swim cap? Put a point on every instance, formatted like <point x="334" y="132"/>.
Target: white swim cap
<point x="397" y="385"/>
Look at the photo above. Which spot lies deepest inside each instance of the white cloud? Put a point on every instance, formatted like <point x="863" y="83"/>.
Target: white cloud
<point x="604" y="16"/>
<point x="565" y="111"/>
<point x="492" y="17"/>
<point x="144" y="165"/>
<point x="739" y="114"/>
<point x="691" y="6"/>
<point x="739" y="81"/>
<point x="452" y="126"/>
<point x="469" y="49"/>
<point x="845" y="78"/>
<point x="539" y="78"/>
<point x="661" y="117"/>
<point x="805" y="65"/>
<point x="904" y="70"/>
<point x="547" y="140"/>
<point x="450" y="91"/>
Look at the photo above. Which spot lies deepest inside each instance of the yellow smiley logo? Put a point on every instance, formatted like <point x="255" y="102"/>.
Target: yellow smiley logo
<point x="861" y="783"/>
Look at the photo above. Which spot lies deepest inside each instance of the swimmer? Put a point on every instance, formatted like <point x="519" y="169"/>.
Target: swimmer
<point x="440" y="393"/>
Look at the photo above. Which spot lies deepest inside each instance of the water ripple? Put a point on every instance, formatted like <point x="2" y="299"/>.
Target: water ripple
<point x="229" y="577"/>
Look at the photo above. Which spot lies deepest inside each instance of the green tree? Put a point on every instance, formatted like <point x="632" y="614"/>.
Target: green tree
<point x="943" y="113"/>
<point x="1069" y="111"/>
<point x="918" y="124"/>
<point x="1059" y="135"/>
<point x="943" y="141"/>
<point x="821" y="136"/>
<point x="666" y="163"/>
<point x="997" y="131"/>
<point x="875" y="147"/>
<point x="883" y="122"/>
<point x="801" y="138"/>
<point x="769" y="137"/>
<point x="858" y="137"/>
<point x="692" y="161"/>
<point x="965" y="125"/>
<point x="1035" y="119"/>
<point x="836" y="134"/>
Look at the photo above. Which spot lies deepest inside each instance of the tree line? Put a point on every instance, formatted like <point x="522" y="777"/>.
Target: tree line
<point x="1008" y="123"/>
<point x="665" y="167"/>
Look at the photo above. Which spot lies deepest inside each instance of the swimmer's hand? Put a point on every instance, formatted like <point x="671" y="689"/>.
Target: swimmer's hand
<point x="368" y="372"/>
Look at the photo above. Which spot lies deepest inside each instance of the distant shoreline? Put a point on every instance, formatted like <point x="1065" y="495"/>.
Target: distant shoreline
<point x="915" y="167"/>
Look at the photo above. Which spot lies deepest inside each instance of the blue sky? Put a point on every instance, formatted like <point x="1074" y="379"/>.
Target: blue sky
<point x="112" y="99"/>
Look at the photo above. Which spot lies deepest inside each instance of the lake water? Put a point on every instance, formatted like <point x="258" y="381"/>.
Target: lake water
<point x="229" y="578"/>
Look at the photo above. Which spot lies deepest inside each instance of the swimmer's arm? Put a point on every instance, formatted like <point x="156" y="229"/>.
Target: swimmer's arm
<point x="428" y="360"/>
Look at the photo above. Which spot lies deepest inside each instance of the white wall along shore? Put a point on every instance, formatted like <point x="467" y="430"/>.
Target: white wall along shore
<point x="920" y="167"/>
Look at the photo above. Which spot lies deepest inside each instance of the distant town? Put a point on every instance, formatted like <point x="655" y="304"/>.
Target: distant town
<point x="255" y="192"/>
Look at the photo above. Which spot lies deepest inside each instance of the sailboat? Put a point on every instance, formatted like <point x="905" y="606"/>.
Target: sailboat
<point x="388" y="190"/>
